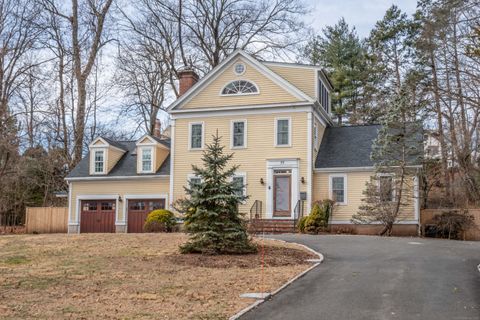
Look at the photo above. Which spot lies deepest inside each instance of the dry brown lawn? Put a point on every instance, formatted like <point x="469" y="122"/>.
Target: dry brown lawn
<point x="131" y="276"/>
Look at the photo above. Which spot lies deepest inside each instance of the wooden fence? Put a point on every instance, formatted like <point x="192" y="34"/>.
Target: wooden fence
<point x="46" y="220"/>
<point x="426" y="217"/>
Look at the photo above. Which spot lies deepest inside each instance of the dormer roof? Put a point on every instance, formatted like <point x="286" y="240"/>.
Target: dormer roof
<point x="103" y="141"/>
<point x="126" y="167"/>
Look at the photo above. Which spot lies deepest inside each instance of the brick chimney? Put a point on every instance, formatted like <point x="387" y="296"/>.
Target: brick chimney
<point x="156" y="130"/>
<point x="186" y="78"/>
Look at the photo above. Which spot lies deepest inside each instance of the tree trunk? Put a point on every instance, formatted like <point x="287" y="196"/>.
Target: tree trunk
<point x="441" y="137"/>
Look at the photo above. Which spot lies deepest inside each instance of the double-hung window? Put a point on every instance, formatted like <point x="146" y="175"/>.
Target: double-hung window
<point x="239" y="134"/>
<point x="194" y="181"/>
<point x="239" y="182"/>
<point x="99" y="161"/>
<point x="385" y="188"/>
<point x="338" y="188"/>
<point x="196" y="135"/>
<point x="282" y="132"/>
<point x="146" y="159"/>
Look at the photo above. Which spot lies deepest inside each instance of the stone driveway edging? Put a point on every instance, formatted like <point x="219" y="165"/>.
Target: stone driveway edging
<point x="286" y="284"/>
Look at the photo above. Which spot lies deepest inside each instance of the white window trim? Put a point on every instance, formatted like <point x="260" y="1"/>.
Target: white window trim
<point x="152" y="155"/>
<point x="235" y="68"/>
<point x="190" y="176"/>
<point x="345" y="187"/>
<point x="93" y="150"/>
<point x="275" y="142"/>
<point x="244" y="176"/>
<point x="244" y="134"/>
<point x="239" y="94"/>
<point x="386" y="174"/>
<point x="190" y="124"/>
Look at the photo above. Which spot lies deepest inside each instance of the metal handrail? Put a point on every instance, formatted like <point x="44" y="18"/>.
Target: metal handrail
<point x="256" y="210"/>
<point x="298" y="212"/>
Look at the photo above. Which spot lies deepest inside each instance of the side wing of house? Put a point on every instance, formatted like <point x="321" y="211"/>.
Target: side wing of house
<point x="117" y="184"/>
<point x="342" y="169"/>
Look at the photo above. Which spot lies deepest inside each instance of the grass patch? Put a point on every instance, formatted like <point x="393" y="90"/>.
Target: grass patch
<point x="16" y="260"/>
<point x="132" y="276"/>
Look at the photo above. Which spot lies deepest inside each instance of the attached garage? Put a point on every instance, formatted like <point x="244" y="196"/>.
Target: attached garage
<point x="138" y="210"/>
<point x="97" y="216"/>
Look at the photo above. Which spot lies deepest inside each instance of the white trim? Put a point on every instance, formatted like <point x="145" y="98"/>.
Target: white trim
<point x="221" y="94"/>
<point x="215" y="72"/>
<point x="309" y="161"/>
<point x="241" y="111"/>
<point x="344" y="169"/>
<point x="244" y="133"/>
<point x="292" y="164"/>
<point x="291" y="65"/>
<point x="387" y="174"/>
<point x="245" y="181"/>
<point x="416" y="198"/>
<point x="345" y="188"/>
<point x="192" y="175"/>
<point x="172" y="159"/>
<point x="127" y="197"/>
<point x="140" y="152"/>
<point x="70" y="203"/>
<point x="81" y="197"/>
<point x="275" y="137"/>
<point x="190" y="124"/>
<point x="93" y="152"/>
<point x="105" y="145"/>
<point x="140" y="177"/>
<point x="235" y="70"/>
<point x="323" y="113"/>
<point x="373" y="222"/>
<point x="152" y="141"/>
<point x="214" y="110"/>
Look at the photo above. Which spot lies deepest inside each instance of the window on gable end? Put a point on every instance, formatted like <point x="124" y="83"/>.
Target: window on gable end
<point x="239" y="87"/>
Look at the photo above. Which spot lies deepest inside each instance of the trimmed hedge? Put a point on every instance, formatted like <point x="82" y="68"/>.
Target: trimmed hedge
<point x="160" y="220"/>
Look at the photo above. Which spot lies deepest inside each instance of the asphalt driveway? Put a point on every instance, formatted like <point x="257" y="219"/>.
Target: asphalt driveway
<point x="370" y="278"/>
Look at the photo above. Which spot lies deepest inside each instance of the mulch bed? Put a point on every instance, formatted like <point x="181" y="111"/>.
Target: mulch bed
<point x="273" y="256"/>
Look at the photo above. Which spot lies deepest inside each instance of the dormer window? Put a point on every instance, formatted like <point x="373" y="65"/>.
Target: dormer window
<point x="240" y="87"/>
<point x="147" y="159"/>
<point x="99" y="161"/>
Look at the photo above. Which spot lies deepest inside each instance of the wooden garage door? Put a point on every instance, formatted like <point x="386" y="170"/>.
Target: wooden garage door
<point x="97" y="216"/>
<point x="138" y="210"/>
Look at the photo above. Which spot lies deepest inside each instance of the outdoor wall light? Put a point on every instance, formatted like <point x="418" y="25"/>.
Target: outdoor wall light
<point x="119" y="198"/>
<point x="302" y="180"/>
<point x="261" y="181"/>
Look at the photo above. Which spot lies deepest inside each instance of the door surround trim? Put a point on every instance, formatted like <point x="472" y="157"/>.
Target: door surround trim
<point x="292" y="164"/>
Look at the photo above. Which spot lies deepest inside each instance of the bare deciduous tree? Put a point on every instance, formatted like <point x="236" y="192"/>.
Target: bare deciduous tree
<point x="86" y="23"/>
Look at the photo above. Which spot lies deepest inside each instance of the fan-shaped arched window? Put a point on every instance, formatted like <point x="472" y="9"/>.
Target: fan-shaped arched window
<point x="240" y="87"/>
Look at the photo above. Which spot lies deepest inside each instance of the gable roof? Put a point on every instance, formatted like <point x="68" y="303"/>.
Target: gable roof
<point x="125" y="167"/>
<point x="210" y="76"/>
<point x="154" y="139"/>
<point x="108" y="141"/>
<point x="349" y="146"/>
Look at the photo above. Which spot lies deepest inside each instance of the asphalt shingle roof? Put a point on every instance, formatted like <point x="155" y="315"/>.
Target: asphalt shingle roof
<point x="126" y="166"/>
<point x="351" y="146"/>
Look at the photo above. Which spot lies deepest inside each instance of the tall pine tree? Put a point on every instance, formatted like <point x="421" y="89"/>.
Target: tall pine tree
<point x="211" y="209"/>
<point x="342" y="54"/>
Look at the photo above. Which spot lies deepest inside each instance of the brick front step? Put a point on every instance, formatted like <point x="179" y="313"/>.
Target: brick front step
<point x="271" y="226"/>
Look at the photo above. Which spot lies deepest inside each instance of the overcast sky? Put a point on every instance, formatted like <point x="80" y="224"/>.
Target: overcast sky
<point x="359" y="13"/>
